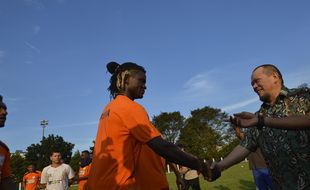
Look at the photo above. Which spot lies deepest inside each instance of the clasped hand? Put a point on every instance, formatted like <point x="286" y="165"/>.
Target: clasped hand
<point x="243" y="119"/>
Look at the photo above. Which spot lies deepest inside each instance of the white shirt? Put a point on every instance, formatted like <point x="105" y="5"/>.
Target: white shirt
<point x="57" y="178"/>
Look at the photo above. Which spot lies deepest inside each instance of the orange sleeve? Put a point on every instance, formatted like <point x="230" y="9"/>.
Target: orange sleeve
<point x="139" y="124"/>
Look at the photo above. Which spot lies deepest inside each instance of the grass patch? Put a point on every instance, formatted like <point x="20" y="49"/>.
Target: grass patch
<point x="236" y="177"/>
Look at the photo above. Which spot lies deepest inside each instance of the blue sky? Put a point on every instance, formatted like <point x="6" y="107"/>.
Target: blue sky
<point x="200" y="53"/>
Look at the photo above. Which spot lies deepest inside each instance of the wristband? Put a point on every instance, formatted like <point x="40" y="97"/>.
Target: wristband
<point x="261" y="121"/>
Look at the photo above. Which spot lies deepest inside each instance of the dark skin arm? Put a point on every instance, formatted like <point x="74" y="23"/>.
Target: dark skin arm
<point x="297" y="122"/>
<point x="179" y="181"/>
<point x="173" y="154"/>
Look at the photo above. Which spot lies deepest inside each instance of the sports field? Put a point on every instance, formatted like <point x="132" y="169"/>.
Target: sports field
<point x="236" y="177"/>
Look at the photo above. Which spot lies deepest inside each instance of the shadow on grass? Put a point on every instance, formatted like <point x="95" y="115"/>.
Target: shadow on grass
<point x="244" y="185"/>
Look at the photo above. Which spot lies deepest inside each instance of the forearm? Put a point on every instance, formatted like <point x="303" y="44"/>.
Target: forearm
<point x="237" y="155"/>
<point x="82" y="178"/>
<point x="291" y="122"/>
<point x="173" y="154"/>
<point x="174" y="169"/>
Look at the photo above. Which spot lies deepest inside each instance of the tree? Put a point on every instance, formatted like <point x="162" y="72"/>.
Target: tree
<point x="205" y="133"/>
<point x="75" y="161"/>
<point x="169" y="124"/>
<point x="303" y="85"/>
<point x="39" y="154"/>
<point x="18" y="167"/>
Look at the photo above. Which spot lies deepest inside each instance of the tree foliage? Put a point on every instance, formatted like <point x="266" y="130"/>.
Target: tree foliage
<point x="169" y="124"/>
<point x="205" y="133"/>
<point x="18" y="167"/>
<point x="75" y="161"/>
<point x="39" y="154"/>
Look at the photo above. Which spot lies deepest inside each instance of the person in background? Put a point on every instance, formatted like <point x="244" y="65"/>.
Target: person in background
<point x="31" y="179"/>
<point x="84" y="169"/>
<point x="258" y="166"/>
<point x="190" y="176"/>
<point x="57" y="176"/>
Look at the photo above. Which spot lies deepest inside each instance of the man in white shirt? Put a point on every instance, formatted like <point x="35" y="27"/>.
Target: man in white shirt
<point x="57" y="176"/>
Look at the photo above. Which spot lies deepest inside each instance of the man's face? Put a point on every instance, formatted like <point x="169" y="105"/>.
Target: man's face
<point x="56" y="158"/>
<point x="3" y="114"/>
<point x="263" y="84"/>
<point x="84" y="156"/>
<point x="30" y="168"/>
<point x="136" y="85"/>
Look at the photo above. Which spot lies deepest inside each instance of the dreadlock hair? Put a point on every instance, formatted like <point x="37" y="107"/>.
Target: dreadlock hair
<point x="269" y="69"/>
<point x="119" y="75"/>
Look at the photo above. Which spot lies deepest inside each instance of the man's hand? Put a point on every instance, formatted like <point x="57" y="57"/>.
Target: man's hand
<point x="244" y="120"/>
<point x="209" y="173"/>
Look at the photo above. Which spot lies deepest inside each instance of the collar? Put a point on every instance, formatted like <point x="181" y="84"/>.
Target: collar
<point x="283" y="93"/>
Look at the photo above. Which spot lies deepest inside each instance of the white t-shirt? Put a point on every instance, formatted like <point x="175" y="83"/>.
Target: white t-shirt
<point x="57" y="178"/>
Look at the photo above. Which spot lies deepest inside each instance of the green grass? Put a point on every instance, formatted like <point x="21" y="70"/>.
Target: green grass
<point x="236" y="177"/>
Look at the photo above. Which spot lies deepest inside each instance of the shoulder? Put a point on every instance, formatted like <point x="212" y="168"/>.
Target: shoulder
<point x="46" y="168"/>
<point x="127" y="105"/>
<point x="66" y="166"/>
<point x="26" y="174"/>
<point x="301" y="92"/>
<point x="3" y="145"/>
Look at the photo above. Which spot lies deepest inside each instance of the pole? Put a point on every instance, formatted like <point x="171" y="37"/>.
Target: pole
<point x="44" y="124"/>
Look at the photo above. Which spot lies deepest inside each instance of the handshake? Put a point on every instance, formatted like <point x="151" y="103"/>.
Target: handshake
<point x="210" y="170"/>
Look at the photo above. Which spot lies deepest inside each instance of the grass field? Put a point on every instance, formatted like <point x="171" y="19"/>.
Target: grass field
<point x="237" y="177"/>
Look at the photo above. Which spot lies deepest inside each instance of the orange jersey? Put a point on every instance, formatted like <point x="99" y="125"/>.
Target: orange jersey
<point x="122" y="159"/>
<point x="83" y="172"/>
<point x="31" y="180"/>
<point x="4" y="161"/>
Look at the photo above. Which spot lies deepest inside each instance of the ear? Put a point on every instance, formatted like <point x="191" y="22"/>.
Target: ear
<point x="275" y="76"/>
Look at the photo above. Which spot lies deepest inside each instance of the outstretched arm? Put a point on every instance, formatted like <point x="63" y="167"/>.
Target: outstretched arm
<point x="173" y="154"/>
<point x="238" y="154"/>
<point x="246" y="119"/>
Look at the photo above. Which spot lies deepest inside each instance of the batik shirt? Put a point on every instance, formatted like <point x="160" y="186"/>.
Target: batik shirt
<point x="287" y="152"/>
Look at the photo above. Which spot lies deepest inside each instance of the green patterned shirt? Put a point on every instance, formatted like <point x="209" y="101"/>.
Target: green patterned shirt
<point x="287" y="152"/>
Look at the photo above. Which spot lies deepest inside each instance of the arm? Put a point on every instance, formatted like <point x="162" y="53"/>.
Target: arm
<point x="24" y="183"/>
<point x="297" y="122"/>
<point x="237" y="155"/>
<point x="82" y="178"/>
<point x="7" y="184"/>
<point x="71" y="175"/>
<point x="173" y="154"/>
<point x="179" y="181"/>
<point x="183" y="169"/>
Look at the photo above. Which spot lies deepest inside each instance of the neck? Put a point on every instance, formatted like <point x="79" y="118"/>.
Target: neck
<point x="274" y="95"/>
<point x="55" y="165"/>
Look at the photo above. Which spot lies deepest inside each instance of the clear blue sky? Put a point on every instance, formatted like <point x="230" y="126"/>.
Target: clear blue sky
<point x="200" y="53"/>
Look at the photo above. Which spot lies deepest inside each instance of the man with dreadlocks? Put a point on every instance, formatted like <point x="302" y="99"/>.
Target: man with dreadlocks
<point x="128" y="148"/>
<point x="6" y="182"/>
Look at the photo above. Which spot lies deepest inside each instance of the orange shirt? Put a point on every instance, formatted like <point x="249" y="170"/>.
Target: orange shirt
<point x="121" y="156"/>
<point x="32" y="180"/>
<point x="82" y="173"/>
<point x="4" y="161"/>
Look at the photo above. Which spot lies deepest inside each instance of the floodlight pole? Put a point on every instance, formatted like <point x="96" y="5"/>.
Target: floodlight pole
<point x="44" y="124"/>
